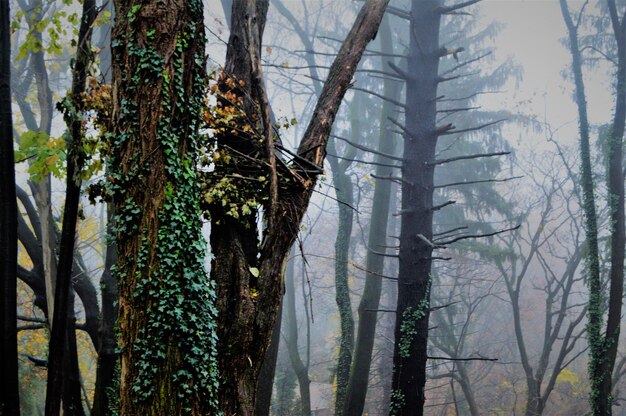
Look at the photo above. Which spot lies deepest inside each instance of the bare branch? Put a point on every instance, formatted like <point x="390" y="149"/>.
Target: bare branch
<point x="475" y="156"/>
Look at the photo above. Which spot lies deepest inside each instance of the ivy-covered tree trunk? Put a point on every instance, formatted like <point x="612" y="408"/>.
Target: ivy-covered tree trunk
<point x="374" y="263"/>
<point x="616" y="206"/>
<point x="167" y="320"/>
<point x="345" y="199"/>
<point x="599" y="368"/>
<point x="9" y="386"/>
<point x="416" y="232"/>
<point x="248" y="272"/>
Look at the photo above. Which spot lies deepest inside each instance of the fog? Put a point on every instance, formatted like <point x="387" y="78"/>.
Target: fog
<point x="486" y="261"/>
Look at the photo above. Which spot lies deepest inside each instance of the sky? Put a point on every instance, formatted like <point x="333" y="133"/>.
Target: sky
<point x="532" y="35"/>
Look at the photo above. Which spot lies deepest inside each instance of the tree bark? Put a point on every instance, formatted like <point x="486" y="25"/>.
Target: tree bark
<point x="249" y="273"/>
<point x="105" y="394"/>
<point x="166" y="320"/>
<point x="291" y="339"/>
<point x="9" y="385"/>
<point x="345" y="199"/>
<point x="414" y="278"/>
<point x="616" y="206"/>
<point x="370" y="300"/>
<point x="62" y="329"/>
<point x="265" y="385"/>
<point x="599" y="398"/>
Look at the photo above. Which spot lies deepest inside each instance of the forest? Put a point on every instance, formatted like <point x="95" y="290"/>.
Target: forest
<point x="312" y="207"/>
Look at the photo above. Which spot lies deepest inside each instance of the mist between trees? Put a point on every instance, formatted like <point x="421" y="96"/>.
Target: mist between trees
<point x="255" y="207"/>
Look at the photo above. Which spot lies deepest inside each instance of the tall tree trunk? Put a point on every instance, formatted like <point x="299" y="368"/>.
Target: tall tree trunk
<point x="167" y="319"/>
<point x="598" y="360"/>
<point x="416" y="233"/>
<point x="105" y="394"/>
<point x="248" y="272"/>
<point x="72" y="382"/>
<point x="42" y="190"/>
<point x="291" y="339"/>
<point x="345" y="199"/>
<point x="616" y="206"/>
<point x="62" y="330"/>
<point x="370" y="300"/>
<point x="9" y="386"/>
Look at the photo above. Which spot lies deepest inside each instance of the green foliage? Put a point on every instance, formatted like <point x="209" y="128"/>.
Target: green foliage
<point x="397" y="402"/>
<point x="170" y="277"/>
<point x="409" y="320"/>
<point x="46" y="154"/>
<point x="55" y="27"/>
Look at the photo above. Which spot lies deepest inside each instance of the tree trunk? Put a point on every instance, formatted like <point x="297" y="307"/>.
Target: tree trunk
<point x="370" y="300"/>
<point x="42" y="190"/>
<point x="248" y="272"/>
<point x="599" y="400"/>
<point x="291" y="339"/>
<point x="414" y="278"/>
<point x="72" y="384"/>
<point x="106" y="394"/>
<point x="62" y="330"/>
<point x="9" y="386"/>
<point x="616" y="206"/>
<point x="166" y="321"/>
<point x="265" y="385"/>
<point x="345" y="199"/>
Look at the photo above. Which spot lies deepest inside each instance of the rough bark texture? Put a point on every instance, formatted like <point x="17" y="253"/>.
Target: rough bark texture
<point x="9" y="385"/>
<point x="250" y="299"/>
<point x="166" y="320"/>
<point x="265" y="384"/>
<point x="63" y="336"/>
<point x="414" y="278"/>
<point x="374" y="263"/>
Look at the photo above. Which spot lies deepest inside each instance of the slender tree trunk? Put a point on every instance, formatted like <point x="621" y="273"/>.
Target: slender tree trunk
<point x="600" y="394"/>
<point x="345" y="199"/>
<point x="166" y="321"/>
<point x="370" y="300"/>
<point x="42" y="190"/>
<point x="72" y="382"/>
<point x="62" y="330"/>
<point x="106" y="394"/>
<point x="291" y="339"/>
<point x="9" y="385"/>
<point x="616" y="205"/>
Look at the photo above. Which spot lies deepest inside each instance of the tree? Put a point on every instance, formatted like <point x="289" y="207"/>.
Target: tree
<point x="417" y="240"/>
<point x="9" y="389"/>
<point x="167" y="319"/>
<point x="62" y="322"/>
<point x="554" y="246"/>
<point x="602" y="349"/>
<point x="374" y="263"/>
<point x="248" y="272"/>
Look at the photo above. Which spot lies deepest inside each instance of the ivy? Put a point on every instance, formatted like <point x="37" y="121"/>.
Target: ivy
<point x="396" y="402"/>
<point x="169" y="278"/>
<point x="410" y="317"/>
